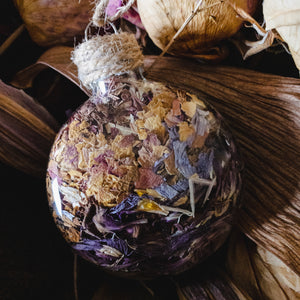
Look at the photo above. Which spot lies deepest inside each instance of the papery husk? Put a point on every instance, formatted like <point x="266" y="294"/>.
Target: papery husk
<point x="216" y="21"/>
<point x="281" y="26"/>
<point x="57" y="58"/>
<point x="55" y="22"/>
<point x="284" y="17"/>
<point x="258" y="272"/>
<point x="27" y="131"/>
<point x="262" y="111"/>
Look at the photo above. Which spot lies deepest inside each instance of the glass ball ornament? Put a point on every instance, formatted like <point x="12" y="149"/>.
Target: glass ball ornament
<point x="143" y="179"/>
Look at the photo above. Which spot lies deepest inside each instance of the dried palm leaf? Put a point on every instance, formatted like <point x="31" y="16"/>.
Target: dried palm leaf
<point x="27" y="131"/>
<point x="263" y="112"/>
<point x="260" y="273"/>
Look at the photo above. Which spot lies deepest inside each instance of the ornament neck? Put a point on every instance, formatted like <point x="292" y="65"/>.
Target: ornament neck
<point x="101" y="57"/>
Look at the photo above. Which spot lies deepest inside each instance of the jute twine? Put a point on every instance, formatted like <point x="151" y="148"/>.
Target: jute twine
<point x="103" y="56"/>
<point x="100" y="17"/>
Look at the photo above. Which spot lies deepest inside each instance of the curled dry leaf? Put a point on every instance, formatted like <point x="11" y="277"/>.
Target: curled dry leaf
<point x="214" y="22"/>
<point x="27" y="131"/>
<point x="282" y="24"/>
<point x="284" y="17"/>
<point x="259" y="272"/>
<point x="55" y="22"/>
<point x="57" y="58"/>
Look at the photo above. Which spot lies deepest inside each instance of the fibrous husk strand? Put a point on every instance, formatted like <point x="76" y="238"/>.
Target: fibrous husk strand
<point x="27" y="131"/>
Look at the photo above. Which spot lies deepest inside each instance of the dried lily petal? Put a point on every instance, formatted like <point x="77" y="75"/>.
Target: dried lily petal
<point x="152" y="207"/>
<point x="185" y="131"/>
<point x="26" y="133"/>
<point x="287" y="279"/>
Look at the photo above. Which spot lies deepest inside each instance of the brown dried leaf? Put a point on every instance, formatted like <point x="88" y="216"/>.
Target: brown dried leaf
<point x="54" y="22"/>
<point x="57" y="58"/>
<point x="187" y="28"/>
<point x="27" y="131"/>
<point x="260" y="273"/>
<point x="263" y="113"/>
<point x="260" y="45"/>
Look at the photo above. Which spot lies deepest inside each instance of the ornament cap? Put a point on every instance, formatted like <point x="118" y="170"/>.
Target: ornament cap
<point x="104" y="56"/>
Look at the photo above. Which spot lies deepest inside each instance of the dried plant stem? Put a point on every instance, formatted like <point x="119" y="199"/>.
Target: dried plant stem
<point x="185" y="23"/>
<point x="147" y="288"/>
<point x="75" y="277"/>
<point x="11" y="38"/>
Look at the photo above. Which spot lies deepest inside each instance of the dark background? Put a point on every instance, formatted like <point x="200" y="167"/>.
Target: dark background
<point x="35" y="261"/>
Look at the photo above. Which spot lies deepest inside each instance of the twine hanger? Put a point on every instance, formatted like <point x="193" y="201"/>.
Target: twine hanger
<point x="100" y="57"/>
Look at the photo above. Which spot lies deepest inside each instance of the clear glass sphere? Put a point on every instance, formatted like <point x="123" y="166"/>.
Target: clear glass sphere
<point x="143" y="179"/>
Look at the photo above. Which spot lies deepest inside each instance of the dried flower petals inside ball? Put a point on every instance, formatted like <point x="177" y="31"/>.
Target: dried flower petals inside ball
<point x="143" y="179"/>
